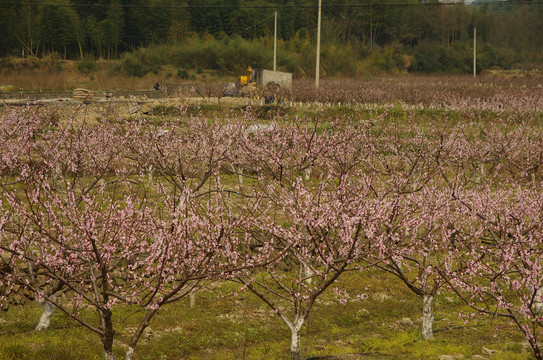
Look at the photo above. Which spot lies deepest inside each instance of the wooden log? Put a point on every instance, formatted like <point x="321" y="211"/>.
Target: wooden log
<point x="83" y="95"/>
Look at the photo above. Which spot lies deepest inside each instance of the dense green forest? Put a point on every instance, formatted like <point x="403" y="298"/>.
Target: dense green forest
<point x="227" y="35"/>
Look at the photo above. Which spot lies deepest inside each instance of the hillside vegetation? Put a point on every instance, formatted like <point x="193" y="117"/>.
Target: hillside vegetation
<point x="358" y="37"/>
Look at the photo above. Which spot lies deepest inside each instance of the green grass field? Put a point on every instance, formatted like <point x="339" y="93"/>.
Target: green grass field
<point x="385" y="325"/>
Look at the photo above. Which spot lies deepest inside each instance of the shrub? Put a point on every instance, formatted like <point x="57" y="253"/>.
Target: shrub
<point x="87" y="65"/>
<point x="6" y="64"/>
<point x="506" y="58"/>
<point x="141" y="62"/>
<point x="386" y="60"/>
<point x="52" y="62"/>
<point x="433" y="57"/>
<point x="132" y="66"/>
<point x="338" y="60"/>
<point x="183" y="74"/>
<point x="487" y="58"/>
<point x="457" y="58"/>
<point x="426" y="58"/>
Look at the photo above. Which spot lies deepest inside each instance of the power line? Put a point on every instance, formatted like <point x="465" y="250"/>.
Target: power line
<point x="263" y="20"/>
<point x="271" y="6"/>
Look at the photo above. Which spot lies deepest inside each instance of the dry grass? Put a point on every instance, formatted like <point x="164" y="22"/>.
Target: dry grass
<point x="47" y="75"/>
<point x="102" y="79"/>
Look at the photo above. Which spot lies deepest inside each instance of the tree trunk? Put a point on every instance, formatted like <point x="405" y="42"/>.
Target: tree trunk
<point x="48" y="310"/>
<point x="192" y="298"/>
<point x="427" y="317"/>
<point x="295" y="349"/>
<point x="308" y="273"/>
<point x="538" y="302"/>
<point x="238" y="170"/>
<point x="129" y="353"/>
<point x="107" y="336"/>
<point x="240" y="177"/>
<point x="150" y="173"/>
<point x="307" y="173"/>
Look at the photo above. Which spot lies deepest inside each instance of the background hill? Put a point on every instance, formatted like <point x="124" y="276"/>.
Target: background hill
<point x="358" y="37"/>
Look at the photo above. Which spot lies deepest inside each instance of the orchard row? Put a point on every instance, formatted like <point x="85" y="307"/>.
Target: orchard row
<point x="520" y="95"/>
<point x="108" y="214"/>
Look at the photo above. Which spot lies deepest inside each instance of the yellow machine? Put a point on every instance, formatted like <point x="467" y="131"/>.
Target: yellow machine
<point x="245" y="86"/>
<point x="247" y="79"/>
<point x="267" y="81"/>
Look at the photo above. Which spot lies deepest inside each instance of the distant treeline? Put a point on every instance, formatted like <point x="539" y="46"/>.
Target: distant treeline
<point x="357" y="35"/>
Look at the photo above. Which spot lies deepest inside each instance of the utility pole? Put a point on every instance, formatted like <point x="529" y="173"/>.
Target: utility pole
<point x="275" y="44"/>
<point x="474" y="52"/>
<point x="317" y="65"/>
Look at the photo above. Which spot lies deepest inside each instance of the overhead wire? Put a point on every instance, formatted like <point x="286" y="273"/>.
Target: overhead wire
<point x="264" y="19"/>
<point x="275" y="6"/>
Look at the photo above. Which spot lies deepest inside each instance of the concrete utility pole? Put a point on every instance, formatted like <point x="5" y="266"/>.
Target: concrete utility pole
<point x="275" y="44"/>
<point x="317" y="65"/>
<point x="474" y="51"/>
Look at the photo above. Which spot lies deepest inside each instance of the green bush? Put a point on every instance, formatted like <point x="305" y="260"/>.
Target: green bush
<point x="301" y="54"/>
<point x="132" y="65"/>
<point x="87" y="65"/>
<point x="297" y="55"/>
<point x="142" y="61"/>
<point x="6" y="64"/>
<point x="385" y="61"/>
<point x="456" y="58"/>
<point x="506" y="58"/>
<point x="183" y="74"/>
<point x="434" y="57"/>
<point x="487" y="58"/>
<point x="52" y="62"/>
<point x="338" y="60"/>
<point x="426" y="58"/>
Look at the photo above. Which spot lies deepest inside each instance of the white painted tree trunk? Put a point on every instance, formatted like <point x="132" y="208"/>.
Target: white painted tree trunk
<point x="109" y="355"/>
<point x="56" y="174"/>
<point x="192" y="298"/>
<point x="238" y="170"/>
<point x="481" y="173"/>
<point x="307" y="173"/>
<point x="308" y="273"/>
<point x="538" y="302"/>
<point x="129" y="353"/>
<point x="47" y="313"/>
<point x="427" y="317"/>
<point x="240" y="176"/>
<point x="182" y="200"/>
<point x="416" y="181"/>
<point x="150" y="173"/>
<point x="295" y="349"/>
